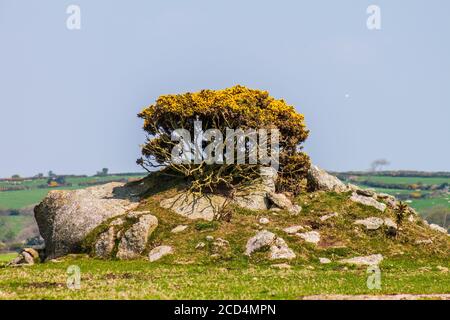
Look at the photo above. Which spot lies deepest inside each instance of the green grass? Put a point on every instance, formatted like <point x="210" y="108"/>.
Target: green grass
<point x="12" y="225"/>
<point x="405" y="180"/>
<point x="419" y="204"/>
<point x="24" y="198"/>
<point x="144" y="280"/>
<point x="211" y="273"/>
<point x="6" y="257"/>
<point x="423" y="204"/>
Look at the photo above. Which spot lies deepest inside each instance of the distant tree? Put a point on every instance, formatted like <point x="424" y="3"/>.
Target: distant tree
<point x="102" y="173"/>
<point x="51" y="174"/>
<point x="56" y="181"/>
<point x="15" y="176"/>
<point x="378" y="164"/>
<point x="40" y="175"/>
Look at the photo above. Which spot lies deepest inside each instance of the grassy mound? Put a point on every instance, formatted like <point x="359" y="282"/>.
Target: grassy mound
<point x="209" y="273"/>
<point x="340" y="237"/>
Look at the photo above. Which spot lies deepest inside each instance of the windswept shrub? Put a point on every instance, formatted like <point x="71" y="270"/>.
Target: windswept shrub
<point x="235" y="108"/>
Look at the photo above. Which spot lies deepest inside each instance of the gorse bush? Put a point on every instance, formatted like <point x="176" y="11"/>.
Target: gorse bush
<point x="235" y="108"/>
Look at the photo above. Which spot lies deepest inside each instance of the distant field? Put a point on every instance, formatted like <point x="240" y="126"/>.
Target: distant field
<point x="405" y="180"/>
<point x="24" y="198"/>
<point x="12" y="225"/>
<point x="7" y="257"/>
<point x="419" y="204"/>
<point x="422" y="204"/>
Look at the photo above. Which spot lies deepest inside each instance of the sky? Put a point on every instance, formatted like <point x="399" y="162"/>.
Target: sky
<point x="69" y="98"/>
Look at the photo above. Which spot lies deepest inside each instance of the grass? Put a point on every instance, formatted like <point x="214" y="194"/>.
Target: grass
<point x="226" y="273"/>
<point x="24" y="198"/>
<point x="6" y="257"/>
<point x="419" y="204"/>
<point x="144" y="280"/>
<point x="11" y="226"/>
<point x="405" y="180"/>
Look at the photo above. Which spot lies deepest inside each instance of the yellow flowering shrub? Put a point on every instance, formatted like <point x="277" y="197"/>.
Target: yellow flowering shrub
<point x="236" y="108"/>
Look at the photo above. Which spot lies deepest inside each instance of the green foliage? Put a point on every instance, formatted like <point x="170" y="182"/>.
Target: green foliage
<point x="144" y="280"/>
<point x="235" y="108"/>
<point x="401" y="213"/>
<point x="206" y="225"/>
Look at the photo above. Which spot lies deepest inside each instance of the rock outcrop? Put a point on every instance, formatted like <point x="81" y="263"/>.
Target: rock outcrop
<point x="278" y="248"/>
<point x="65" y="218"/>
<point x="260" y="240"/>
<point x="281" y="201"/>
<point x="255" y="195"/>
<point x="159" y="252"/>
<point x="371" y="223"/>
<point x="320" y="180"/>
<point x="179" y="229"/>
<point x="311" y="236"/>
<point x="438" y="228"/>
<point x="293" y="229"/>
<point x="134" y="240"/>
<point x="368" y="201"/>
<point x="205" y="207"/>
<point x="371" y="260"/>
<point x="328" y="216"/>
<point x="104" y="245"/>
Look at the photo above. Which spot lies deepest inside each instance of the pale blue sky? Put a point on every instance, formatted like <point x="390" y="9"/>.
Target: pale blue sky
<point x="68" y="99"/>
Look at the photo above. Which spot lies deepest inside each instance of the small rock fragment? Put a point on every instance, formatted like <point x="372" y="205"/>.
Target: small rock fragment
<point x="324" y="260"/>
<point x="159" y="252"/>
<point x="442" y="269"/>
<point x="368" y="201"/>
<point x="200" y="245"/>
<point x="179" y="229"/>
<point x="371" y="223"/>
<point x="293" y="229"/>
<point x="390" y="223"/>
<point x="426" y="241"/>
<point x="365" y="192"/>
<point x="374" y="259"/>
<point x="311" y="236"/>
<point x="438" y="228"/>
<point x="280" y="250"/>
<point x="320" y="180"/>
<point x="261" y="239"/>
<point x="282" y="201"/>
<point x="328" y="216"/>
